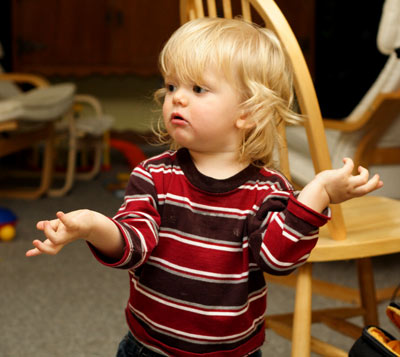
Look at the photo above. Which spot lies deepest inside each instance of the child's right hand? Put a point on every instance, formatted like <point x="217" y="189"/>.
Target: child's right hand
<point x="61" y="231"/>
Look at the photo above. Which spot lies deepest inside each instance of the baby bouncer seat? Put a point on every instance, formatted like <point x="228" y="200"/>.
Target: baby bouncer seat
<point x="47" y="112"/>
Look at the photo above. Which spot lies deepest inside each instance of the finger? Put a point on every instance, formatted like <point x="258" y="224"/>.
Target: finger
<point x="371" y="185"/>
<point x="363" y="171"/>
<point x="69" y="221"/>
<point x="54" y="224"/>
<point x="33" y="252"/>
<point x="50" y="233"/>
<point x="362" y="177"/>
<point x="40" y="225"/>
<point x="348" y="165"/>
<point x="377" y="182"/>
<point x="46" y="247"/>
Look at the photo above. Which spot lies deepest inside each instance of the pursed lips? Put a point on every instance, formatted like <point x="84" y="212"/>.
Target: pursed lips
<point x="178" y="119"/>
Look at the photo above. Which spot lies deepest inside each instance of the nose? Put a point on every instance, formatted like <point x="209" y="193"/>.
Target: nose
<point x="179" y="97"/>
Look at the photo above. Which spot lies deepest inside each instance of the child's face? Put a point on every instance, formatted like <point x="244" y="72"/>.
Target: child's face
<point x="203" y="117"/>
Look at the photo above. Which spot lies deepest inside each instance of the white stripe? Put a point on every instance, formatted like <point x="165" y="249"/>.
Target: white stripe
<point x="199" y="244"/>
<point x="276" y="217"/>
<point x="126" y="234"/>
<point x="169" y="154"/>
<point x="200" y="311"/>
<point x="290" y="236"/>
<point x="289" y="266"/>
<point x="265" y="185"/>
<point x="282" y="177"/>
<point x="198" y="278"/>
<point x="296" y="236"/>
<point x="200" y="272"/>
<point x="273" y="259"/>
<point x="258" y="187"/>
<point x="142" y="240"/>
<point x="273" y="267"/>
<point x="200" y="238"/>
<point x="202" y="206"/>
<point x="309" y="237"/>
<point x="139" y="217"/>
<point x="144" y="249"/>
<point x="194" y="336"/>
<point x="166" y="170"/>
<point x="138" y="198"/>
<point x="143" y="177"/>
<point x="141" y="171"/>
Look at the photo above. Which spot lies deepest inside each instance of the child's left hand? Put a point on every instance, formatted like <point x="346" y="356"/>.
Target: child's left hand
<point x="336" y="186"/>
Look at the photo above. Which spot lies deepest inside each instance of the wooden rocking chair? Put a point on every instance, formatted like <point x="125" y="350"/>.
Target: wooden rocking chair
<point x="360" y="228"/>
<point x="27" y="119"/>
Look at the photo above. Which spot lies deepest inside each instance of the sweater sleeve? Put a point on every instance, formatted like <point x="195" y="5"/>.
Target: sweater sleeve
<point x="283" y="232"/>
<point x="138" y="221"/>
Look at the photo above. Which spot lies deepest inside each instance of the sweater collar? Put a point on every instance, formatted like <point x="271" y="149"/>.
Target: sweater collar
<point x="209" y="184"/>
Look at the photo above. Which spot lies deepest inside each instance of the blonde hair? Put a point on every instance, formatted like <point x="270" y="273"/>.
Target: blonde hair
<point x="252" y="60"/>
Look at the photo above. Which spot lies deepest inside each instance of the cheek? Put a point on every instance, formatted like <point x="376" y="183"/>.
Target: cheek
<point x="165" y="110"/>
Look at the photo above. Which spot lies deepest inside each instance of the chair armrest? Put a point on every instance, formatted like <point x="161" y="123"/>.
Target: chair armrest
<point x="334" y="124"/>
<point x="8" y="125"/>
<point x="35" y="80"/>
<point x="370" y="116"/>
<point x="93" y="102"/>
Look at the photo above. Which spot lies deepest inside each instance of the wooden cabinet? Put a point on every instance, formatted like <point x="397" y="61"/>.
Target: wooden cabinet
<point x="81" y="37"/>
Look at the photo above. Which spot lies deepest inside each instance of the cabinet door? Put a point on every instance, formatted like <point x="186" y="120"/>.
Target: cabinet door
<point x="55" y="36"/>
<point x="137" y="31"/>
<point x="91" y="36"/>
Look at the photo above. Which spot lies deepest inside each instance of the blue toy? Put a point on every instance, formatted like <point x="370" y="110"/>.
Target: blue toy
<point x="8" y="220"/>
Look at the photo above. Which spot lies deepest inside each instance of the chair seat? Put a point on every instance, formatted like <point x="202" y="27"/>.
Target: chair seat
<point x="39" y="104"/>
<point x="373" y="228"/>
<point x="93" y="125"/>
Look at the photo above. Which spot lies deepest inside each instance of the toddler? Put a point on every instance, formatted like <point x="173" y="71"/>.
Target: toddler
<point x="201" y="222"/>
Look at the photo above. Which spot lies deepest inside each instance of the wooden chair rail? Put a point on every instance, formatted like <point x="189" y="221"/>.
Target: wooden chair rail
<point x="34" y="80"/>
<point x="371" y="114"/>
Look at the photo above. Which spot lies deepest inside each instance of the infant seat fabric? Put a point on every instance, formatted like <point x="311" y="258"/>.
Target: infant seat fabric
<point x="342" y="144"/>
<point x="375" y="341"/>
<point x="39" y="104"/>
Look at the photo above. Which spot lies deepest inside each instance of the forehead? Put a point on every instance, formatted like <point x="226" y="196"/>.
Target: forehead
<point x="190" y="59"/>
<point x="195" y="74"/>
<point x="204" y="71"/>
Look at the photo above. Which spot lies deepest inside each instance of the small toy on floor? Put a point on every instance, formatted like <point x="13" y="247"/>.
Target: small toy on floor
<point x="8" y="220"/>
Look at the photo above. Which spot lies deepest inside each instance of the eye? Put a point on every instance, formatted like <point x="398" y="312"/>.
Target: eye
<point x="199" y="90"/>
<point x="170" y="87"/>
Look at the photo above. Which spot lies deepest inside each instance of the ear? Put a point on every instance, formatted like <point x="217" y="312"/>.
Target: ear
<point x="243" y="122"/>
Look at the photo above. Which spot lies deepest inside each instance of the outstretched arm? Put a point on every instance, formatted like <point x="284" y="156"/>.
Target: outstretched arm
<point x="336" y="186"/>
<point x="85" y="224"/>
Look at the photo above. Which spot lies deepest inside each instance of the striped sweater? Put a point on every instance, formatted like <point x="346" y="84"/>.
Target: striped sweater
<point x="196" y="249"/>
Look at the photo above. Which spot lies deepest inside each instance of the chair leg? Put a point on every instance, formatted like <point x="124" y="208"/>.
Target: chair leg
<point x="47" y="134"/>
<point x="98" y="155"/>
<point x="71" y="161"/>
<point x="301" y="338"/>
<point x="367" y="291"/>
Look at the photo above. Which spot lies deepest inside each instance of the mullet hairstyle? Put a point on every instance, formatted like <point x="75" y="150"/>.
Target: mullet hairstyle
<point x="252" y="60"/>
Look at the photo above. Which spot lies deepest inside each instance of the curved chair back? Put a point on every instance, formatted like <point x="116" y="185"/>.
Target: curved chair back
<point x="304" y="87"/>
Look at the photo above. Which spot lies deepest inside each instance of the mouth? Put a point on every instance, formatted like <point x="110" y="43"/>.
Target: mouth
<point x="178" y="119"/>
